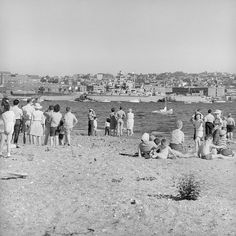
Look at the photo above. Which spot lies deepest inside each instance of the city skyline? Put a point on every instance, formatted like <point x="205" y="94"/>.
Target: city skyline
<point x="68" y="37"/>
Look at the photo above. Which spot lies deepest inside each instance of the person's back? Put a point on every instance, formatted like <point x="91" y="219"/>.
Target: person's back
<point x="230" y="121"/>
<point x="120" y="114"/>
<point x="69" y="120"/>
<point x="56" y="118"/>
<point x="28" y="108"/>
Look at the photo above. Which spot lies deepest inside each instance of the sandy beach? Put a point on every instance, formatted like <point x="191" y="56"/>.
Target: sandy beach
<point x="90" y="189"/>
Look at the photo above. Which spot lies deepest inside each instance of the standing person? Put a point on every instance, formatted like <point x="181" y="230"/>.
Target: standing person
<point x="18" y="124"/>
<point x="177" y="137"/>
<point x="230" y="126"/>
<point x="209" y="120"/>
<point x="120" y="121"/>
<point x="217" y="126"/>
<point x="56" y="118"/>
<point x="113" y="122"/>
<point x="8" y="118"/>
<point x="48" y="119"/>
<point x="28" y="109"/>
<point x="37" y="125"/>
<point x="130" y="122"/>
<point x="69" y="122"/>
<point x="193" y="119"/>
<point x="91" y="116"/>
<point x="95" y="126"/>
<point x="107" y="126"/>
<point x="198" y="126"/>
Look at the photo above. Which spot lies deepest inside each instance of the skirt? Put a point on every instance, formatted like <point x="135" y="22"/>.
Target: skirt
<point x="130" y="124"/>
<point x="36" y="128"/>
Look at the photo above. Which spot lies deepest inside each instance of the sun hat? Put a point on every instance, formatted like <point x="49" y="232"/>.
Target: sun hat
<point x="217" y="111"/>
<point x="222" y="132"/>
<point x="37" y="106"/>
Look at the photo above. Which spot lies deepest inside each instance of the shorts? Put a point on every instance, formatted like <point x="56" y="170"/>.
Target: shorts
<point x="53" y="131"/>
<point x="225" y="152"/>
<point x="230" y="128"/>
<point x="68" y="130"/>
<point x="177" y="147"/>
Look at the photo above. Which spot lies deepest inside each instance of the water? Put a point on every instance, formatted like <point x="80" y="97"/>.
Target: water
<point x="145" y="120"/>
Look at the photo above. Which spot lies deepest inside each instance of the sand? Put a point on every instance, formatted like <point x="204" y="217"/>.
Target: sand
<point x="89" y="189"/>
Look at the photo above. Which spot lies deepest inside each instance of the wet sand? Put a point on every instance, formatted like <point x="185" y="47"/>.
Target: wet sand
<point x="90" y="189"/>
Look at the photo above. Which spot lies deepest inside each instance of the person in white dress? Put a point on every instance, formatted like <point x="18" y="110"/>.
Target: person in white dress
<point x="130" y="122"/>
<point x="37" y="125"/>
<point x="9" y="119"/>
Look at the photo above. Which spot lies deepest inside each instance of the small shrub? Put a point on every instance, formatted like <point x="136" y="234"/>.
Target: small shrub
<point x="188" y="187"/>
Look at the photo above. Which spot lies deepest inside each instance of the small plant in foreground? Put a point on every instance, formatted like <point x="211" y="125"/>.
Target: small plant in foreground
<point x="188" y="187"/>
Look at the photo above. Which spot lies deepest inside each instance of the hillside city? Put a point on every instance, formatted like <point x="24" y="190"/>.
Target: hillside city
<point x="205" y="83"/>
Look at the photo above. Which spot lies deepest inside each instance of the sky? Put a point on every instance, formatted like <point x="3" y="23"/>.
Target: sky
<point x="66" y="37"/>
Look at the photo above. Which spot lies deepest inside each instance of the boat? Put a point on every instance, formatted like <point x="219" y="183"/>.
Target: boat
<point x="187" y="102"/>
<point x="135" y="100"/>
<point x="164" y="111"/>
<point x="105" y="100"/>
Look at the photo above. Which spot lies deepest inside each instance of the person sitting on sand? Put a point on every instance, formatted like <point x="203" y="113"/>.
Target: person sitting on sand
<point x="208" y="150"/>
<point x="177" y="137"/>
<point x="163" y="151"/>
<point x="224" y="150"/>
<point x="145" y="146"/>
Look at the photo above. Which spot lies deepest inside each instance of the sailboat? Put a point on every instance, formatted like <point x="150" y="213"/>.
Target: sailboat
<point x="164" y="111"/>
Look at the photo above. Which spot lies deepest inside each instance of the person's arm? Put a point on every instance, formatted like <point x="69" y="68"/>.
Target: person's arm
<point x="139" y="152"/>
<point x="75" y="121"/>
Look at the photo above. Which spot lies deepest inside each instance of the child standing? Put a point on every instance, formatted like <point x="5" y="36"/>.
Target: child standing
<point x="95" y="125"/>
<point x="107" y="126"/>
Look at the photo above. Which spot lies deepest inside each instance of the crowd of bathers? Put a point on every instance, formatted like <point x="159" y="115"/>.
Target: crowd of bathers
<point x="37" y="126"/>
<point x="212" y="135"/>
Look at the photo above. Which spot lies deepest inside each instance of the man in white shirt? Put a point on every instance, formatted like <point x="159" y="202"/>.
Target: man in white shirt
<point x="18" y="116"/>
<point x="28" y="109"/>
<point x="209" y="122"/>
<point x="69" y="122"/>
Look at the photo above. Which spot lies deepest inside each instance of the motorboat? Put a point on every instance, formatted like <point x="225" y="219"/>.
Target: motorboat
<point x="135" y="100"/>
<point x="105" y="100"/>
<point x="164" y="111"/>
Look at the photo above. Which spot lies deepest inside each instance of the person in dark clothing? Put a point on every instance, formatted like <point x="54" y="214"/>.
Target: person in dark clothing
<point x="91" y="116"/>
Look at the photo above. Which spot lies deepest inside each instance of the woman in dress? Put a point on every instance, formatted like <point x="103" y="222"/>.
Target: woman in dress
<point x="37" y="125"/>
<point x="130" y="122"/>
<point x="113" y="122"/>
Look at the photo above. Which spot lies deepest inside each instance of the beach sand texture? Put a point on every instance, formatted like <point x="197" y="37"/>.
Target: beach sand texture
<point x="89" y="189"/>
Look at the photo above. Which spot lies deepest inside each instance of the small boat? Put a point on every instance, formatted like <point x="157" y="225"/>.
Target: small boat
<point x="164" y="111"/>
<point x="187" y="102"/>
<point x="220" y="101"/>
<point x="135" y="100"/>
<point x="105" y="100"/>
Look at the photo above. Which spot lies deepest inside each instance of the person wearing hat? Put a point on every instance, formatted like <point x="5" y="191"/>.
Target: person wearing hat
<point x="37" y="125"/>
<point x="224" y="150"/>
<point x="146" y="146"/>
<point x="217" y="126"/>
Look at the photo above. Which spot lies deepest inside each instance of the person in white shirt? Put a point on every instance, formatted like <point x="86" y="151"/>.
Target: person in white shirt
<point x="9" y="122"/>
<point x="28" y="109"/>
<point x="209" y="122"/>
<point x="177" y="137"/>
<point x="69" y="122"/>
<point x="18" y="115"/>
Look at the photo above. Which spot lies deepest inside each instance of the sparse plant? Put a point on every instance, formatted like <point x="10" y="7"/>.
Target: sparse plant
<point x="188" y="187"/>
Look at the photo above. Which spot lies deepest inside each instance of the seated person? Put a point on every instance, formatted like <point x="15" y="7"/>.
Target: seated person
<point x="163" y="151"/>
<point x="208" y="150"/>
<point x="145" y="146"/>
<point x="177" y="137"/>
<point x="224" y="150"/>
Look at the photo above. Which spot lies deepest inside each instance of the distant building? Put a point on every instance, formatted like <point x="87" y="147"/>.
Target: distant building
<point x="216" y="92"/>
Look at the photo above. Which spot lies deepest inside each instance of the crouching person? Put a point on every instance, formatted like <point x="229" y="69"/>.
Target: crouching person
<point x="146" y="146"/>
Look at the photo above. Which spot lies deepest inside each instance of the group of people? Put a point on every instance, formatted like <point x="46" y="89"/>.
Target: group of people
<point x="31" y="121"/>
<point x="212" y="135"/>
<point x="114" y="124"/>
